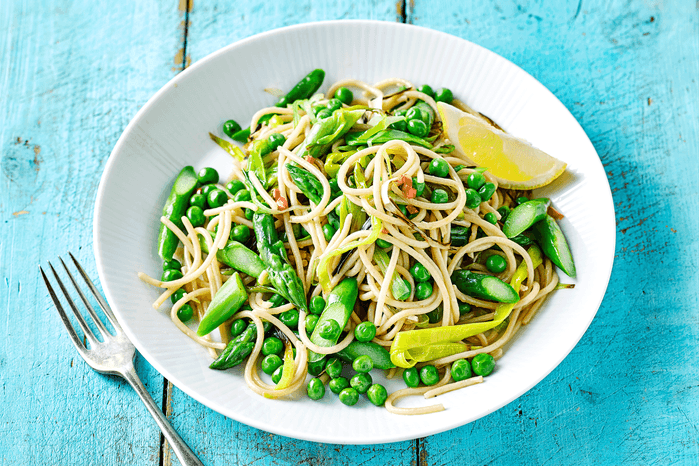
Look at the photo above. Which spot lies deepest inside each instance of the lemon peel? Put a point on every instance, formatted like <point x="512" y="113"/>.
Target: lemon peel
<point x="515" y="163"/>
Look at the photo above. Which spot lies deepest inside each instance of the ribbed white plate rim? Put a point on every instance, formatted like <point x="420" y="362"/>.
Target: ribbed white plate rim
<point x="426" y="426"/>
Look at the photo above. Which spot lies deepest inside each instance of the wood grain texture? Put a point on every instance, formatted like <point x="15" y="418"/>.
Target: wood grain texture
<point x="215" y="24"/>
<point x="210" y="28"/>
<point x="72" y="75"/>
<point x="627" y="394"/>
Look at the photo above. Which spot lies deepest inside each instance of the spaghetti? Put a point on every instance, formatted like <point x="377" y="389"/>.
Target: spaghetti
<point x="380" y="196"/>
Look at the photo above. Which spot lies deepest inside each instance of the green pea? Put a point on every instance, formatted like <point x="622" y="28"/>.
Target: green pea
<point x="237" y="327"/>
<point x="411" y="377"/>
<point x="486" y="191"/>
<point x="173" y="264"/>
<point x="522" y="200"/>
<point x="438" y="167"/>
<point x="277" y="300"/>
<point x="483" y="364"/>
<point x="333" y="104"/>
<point x="338" y="384"/>
<point x="418" y="128"/>
<point x="328" y="231"/>
<point x="317" y="108"/>
<point x="363" y="363"/>
<point x="329" y="329"/>
<point x="349" y="396"/>
<point x="217" y="198"/>
<point x="419" y="187"/>
<point x="377" y="394"/>
<point x="196" y="216"/>
<point x="473" y="199"/>
<point x="311" y="322"/>
<point x="383" y="244"/>
<point x="275" y="140"/>
<point x="417" y="113"/>
<point x="429" y="375"/>
<point x="240" y="233"/>
<point x="301" y="233"/>
<point x="423" y="290"/>
<point x="206" y="189"/>
<point x="435" y="315"/>
<point x="439" y="196"/>
<point x="361" y="382"/>
<point x="426" y="89"/>
<point x="317" y="305"/>
<point x="420" y="272"/>
<point x="490" y="218"/>
<point x="464" y="308"/>
<point x="234" y="186"/>
<point x="496" y="263"/>
<point x="198" y="200"/>
<point x="207" y="175"/>
<point x="177" y="295"/>
<point x="315" y="389"/>
<point x="316" y="368"/>
<point x="271" y="363"/>
<point x="460" y="370"/>
<point x="444" y="95"/>
<point x="271" y="345"/>
<point x="277" y="375"/>
<point x="324" y="113"/>
<point x="248" y="212"/>
<point x="333" y="368"/>
<point x="290" y="318"/>
<point x="231" y="127"/>
<point x="261" y="146"/>
<point x="185" y="313"/>
<point x="365" y="331"/>
<point x="242" y="196"/>
<point x="171" y="275"/>
<point x="504" y="211"/>
<point x="344" y="95"/>
<point x="475" y="180"/>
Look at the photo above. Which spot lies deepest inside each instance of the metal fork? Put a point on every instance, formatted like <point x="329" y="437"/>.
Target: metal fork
<point x="114" y="355"/>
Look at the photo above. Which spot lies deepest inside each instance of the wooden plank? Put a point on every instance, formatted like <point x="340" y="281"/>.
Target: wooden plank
<point x="72" y="75"/>
<point x="215" y="24"/>
<point x="627" y="394"/>
<point x="217" y="439"/>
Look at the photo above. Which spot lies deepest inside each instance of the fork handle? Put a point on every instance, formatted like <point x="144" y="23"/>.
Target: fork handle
<point x="183" y="452"/>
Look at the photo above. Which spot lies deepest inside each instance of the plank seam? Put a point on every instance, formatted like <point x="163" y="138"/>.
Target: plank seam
<point x="163" y="407"/>
<point x="186" y="31"/>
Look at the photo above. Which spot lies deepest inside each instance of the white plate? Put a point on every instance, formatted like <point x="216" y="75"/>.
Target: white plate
<point x="171" y="131"/>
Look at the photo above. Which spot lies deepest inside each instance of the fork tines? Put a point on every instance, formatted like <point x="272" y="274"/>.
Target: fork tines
<point x="87" y="331"/>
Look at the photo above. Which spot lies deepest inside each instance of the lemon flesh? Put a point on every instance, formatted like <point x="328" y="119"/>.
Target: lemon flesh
<point x="515" y="163"/>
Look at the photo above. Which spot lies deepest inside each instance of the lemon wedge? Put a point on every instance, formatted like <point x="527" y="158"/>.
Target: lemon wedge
<point x="515" y="163"/>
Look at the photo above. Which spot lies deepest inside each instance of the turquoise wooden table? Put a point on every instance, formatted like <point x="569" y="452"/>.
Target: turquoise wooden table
<point x="72" y="75"/>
